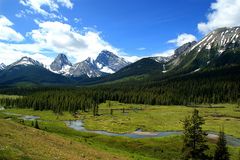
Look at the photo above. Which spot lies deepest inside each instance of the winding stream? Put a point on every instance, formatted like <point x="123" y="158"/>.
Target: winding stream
<point x="24" y="117"/>
<point x="79" y="126"/>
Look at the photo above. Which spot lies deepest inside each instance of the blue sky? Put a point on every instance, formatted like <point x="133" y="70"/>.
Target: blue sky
<point x="130" y="28"/>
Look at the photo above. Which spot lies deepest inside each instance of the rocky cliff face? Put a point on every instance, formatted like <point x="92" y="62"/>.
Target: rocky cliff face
<point x="221" y="39"/>
<point x="87" y="67"/>
<point x="61" y="64"/>
<point x="109" y="62"/>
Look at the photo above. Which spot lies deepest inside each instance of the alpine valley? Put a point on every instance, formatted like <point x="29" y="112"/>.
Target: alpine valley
<point x="108" y="108"/>
<point x="119" y="80"/>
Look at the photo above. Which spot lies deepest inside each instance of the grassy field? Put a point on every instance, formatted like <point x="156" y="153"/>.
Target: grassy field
<point x="9" y="96"/>
<point x="151" y="118"/>
<point x="161" y="118"/>
<point x="21" y="142"/>
<point x="138" y="149"/>
<point x="44" y="115"/>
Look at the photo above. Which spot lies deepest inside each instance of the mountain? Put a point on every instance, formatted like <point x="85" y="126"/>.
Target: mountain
<point x="87" y="67"/>
<point x="61" y="64"/>
<point x="220" y="45"/>
<point x="105" y="63"/>
<point x="61" y="71"/>
<point x="138" y="70"/>
<point x="184" y="49"/>
<point x="25" y="61"/>
<point x="218" y="49"/>
<point x="150" y="65"/>
<point x="30" y="71"/>
<point x="181" y="50"/>
<point x="110" y="63"/>
<point x="143" y="66"/>
<point x="2" y="66"/>
<point x="221" y="39"/>
<point x="161" y="59"/>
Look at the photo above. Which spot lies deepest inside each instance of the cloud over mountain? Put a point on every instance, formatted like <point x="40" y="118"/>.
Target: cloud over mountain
<point x="183" y="39"/>
<point x="61" y="37"/>
<point x="54" y="37"/>
<point x="223" y="13"/>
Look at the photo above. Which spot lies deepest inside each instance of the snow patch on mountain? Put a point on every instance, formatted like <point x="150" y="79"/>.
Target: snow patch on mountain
<point x="110" y="61"/>
<point x="87" y="67"/>
<point x="161" y="59"/>
<point x="107" y="70"/>
<point x="26" y="61"/>
<point x="61" y="65"/>
<point x="2" y="66"/>
<point x="222" y="38"/>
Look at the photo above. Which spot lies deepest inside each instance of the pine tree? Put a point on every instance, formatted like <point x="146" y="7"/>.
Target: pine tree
<point x="194" y="145"/>
<point x="221" y="152"/>
<point x="36" y="125"/>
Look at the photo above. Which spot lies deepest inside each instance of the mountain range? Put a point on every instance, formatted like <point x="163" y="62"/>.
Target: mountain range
<point x="105" y="63"/>
<point x="218" y="49"/>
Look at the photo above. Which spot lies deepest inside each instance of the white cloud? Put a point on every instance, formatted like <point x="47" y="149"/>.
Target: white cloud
<point x="166" y="53"/>
<point x="13" y="52"/>
<point x="7" y="33"/>
<point x="41" y="58"/>
<point x="224" y="13"/>
<point x="77" y="20"/>
<point x="132" y="59"/>
<point x="20" y="14"/>
<point x="56" y="37"/>
<point x="36" y="5"/>
<point x="63" y="38"/>
<point x="39" y="6"/>
<point x="183" y="39"/>
<point x="66" y="3"/>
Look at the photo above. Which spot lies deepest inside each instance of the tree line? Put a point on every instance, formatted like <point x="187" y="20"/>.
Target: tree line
<point x="57" y="101"/>
<point x="207" y="87"/>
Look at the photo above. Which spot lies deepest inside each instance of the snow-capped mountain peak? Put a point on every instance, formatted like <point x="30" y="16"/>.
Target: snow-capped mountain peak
<point x="60" y="64"/>
<point x="222" y="39"/>
<point x="87" y="67"/>
<point x="90" y="60"/>
<point x="218" y="44"/>
<point x="107" y="61"/>
<point x="26" y="61"/>
<point x="2" y="66"/>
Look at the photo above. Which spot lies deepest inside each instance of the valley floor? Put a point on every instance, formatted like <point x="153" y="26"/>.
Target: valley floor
<point x="54" y="140"/>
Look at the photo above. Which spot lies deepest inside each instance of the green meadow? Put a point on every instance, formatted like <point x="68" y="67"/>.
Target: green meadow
<point x="162" y="118"/>
<point x="9" y="96"/>
<point x="112" y="117"/>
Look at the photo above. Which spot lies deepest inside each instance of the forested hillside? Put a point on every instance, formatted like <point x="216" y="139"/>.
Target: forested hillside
<point x="212" y="86"/>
